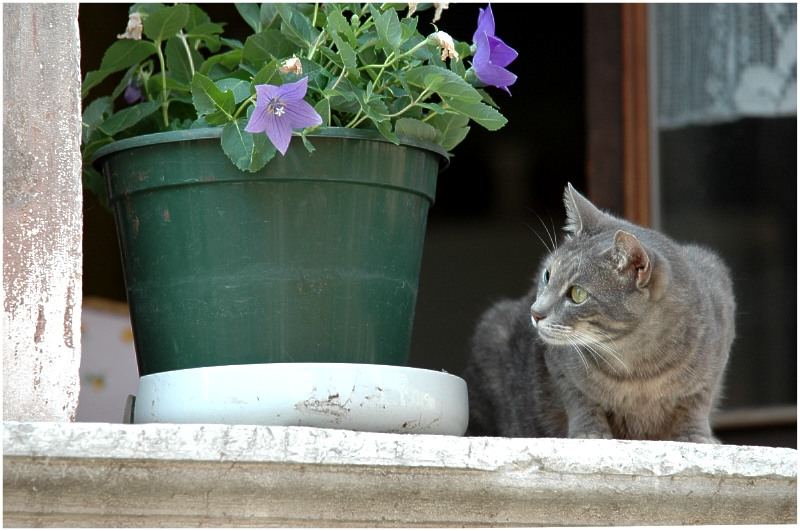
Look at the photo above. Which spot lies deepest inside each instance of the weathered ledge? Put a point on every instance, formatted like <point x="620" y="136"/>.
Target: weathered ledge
<point x="59" y="474"/>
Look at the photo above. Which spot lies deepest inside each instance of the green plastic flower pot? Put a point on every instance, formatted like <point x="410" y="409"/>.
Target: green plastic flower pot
<point x="315" y="258"/>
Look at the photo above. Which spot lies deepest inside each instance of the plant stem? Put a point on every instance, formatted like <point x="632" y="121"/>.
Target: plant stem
<point x="164" y="102"/>
<point x="182" y="37"/>
<point x="355" y="121"/>
<point x="314" y="46"/>
<point x="338" y="79"/>
<point x="243" y="105"/>
<point x="424" y="94"/>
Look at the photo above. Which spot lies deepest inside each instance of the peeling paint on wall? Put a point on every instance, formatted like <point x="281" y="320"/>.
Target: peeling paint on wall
<point x="42" y="211"/>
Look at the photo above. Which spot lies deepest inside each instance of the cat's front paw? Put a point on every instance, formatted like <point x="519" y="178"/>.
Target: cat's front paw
<point x="590" y="435"/>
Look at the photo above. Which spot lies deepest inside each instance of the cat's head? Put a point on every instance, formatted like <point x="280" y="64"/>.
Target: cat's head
<point x="600" y="282"/>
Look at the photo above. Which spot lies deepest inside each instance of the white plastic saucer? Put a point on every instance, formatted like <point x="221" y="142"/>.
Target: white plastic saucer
<point x="377" y="398"/>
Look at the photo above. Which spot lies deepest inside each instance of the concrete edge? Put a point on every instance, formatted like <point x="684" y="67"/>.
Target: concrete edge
<point x="302" y="445"/>
<point x="106" y="475"/>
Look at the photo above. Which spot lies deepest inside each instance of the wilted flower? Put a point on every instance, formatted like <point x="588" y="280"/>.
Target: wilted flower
<point x="412" y="8"/>
<point x="292" y="65"/>
<point x="445" y="42"/>
<point x="492" y="55"/>
<point x="134" y="28"/>
<point x="279" y="110"/>
<point x="440" y="6"/>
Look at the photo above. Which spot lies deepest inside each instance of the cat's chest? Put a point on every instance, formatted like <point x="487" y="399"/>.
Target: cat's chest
<point x="634" y="396"/>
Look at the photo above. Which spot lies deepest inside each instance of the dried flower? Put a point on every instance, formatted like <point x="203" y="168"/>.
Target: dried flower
<point x="279" y="110"/>
<point x="440" y="6"/>
<point x="134" y="28"/>
<point x="492" y="55"/>
<point x="292" y="65"/>
<point x="445" y="42"/>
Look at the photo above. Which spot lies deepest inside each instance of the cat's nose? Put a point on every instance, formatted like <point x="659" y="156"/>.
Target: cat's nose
<point x="536" y="317"/>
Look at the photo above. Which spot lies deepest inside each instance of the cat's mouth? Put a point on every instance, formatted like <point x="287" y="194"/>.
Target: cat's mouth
<point x="553" y="333"/>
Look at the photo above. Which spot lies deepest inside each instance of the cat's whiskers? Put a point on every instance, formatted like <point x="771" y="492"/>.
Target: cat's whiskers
<point x="551" y="237"/>
<point x="592" y="341"/>
<point x="546" y="246"/>
<point x="596" y="343"/>
<point x="604" y="341"/>
<point x="580" y="354"/>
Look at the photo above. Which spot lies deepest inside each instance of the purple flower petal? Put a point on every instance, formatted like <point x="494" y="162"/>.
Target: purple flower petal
<point x="132" y="93"/>
<point x="492" y="55"/>
<point x="293" y="91"/>
<point x="501" y="54"/>
<point x="301" y="115"/>
<point x="258" y="120"/>
<point x="279" y="110"/>
<point x="485" y="22"/>
<point x="279" y="132"/>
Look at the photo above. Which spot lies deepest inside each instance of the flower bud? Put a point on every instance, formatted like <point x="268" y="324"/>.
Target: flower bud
<point x="134" y="29"/>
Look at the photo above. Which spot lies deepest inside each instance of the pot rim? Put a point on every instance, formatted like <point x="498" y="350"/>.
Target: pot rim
<point x="215" y="132"/>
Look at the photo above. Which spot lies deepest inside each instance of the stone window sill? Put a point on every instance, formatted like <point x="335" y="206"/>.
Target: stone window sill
<point x="62" y="474"/>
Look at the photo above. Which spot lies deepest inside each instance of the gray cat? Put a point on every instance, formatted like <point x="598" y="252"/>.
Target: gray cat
<point x="624" y="335"/>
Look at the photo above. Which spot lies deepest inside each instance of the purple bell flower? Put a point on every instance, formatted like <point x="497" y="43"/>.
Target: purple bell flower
<point x="279" y="110"/>
<point x="492" y="55"/>
<point x="133" y="93"/>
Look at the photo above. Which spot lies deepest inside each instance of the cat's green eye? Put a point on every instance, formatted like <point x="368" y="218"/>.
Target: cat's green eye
<point x="578" y="295"/>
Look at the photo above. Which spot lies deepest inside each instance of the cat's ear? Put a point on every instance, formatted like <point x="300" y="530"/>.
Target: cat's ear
<point x="582" y="215"/>
<point x="648" y="269"/>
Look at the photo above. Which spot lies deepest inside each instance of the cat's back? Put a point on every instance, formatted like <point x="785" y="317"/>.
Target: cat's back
<point x="502" y="371"/>
<point x="715" y="286"/>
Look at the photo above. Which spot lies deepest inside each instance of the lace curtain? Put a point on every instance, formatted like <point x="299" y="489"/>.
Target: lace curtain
<point x="721" y="62"/>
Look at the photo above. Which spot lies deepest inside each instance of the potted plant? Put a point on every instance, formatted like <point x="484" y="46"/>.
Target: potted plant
<point x="270" y="197"/>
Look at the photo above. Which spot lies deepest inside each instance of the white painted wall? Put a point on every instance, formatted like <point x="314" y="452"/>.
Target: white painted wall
<point x="42" y="211"/>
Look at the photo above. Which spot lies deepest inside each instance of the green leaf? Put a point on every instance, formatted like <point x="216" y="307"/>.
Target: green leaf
<point x="93" y="115"/>
<point x="445" y="83"/>
<point x="124" y="53"/>
<point x="239" y="87"/>
<point x="452" y="129"/>
<point x="128" y="117"/>
<point x="120" y="55"/>
<point x="209" y="101"/>
<point x="323" y="108"/>
<point x="338" y="24"/>
<point x="197" y="17"/>
<point x="178" y="64"/>
<point x="487" y="98"/>
<point x="487" y="116"/>
<point x="249" y="152"/>
<point x="297" y="28"/>
<point x="416" y="129"/>
<point x="266" y="74"/>
<point x="346" y="52"/>
<point x="269" y="13"/>
<point x="264" y="46"/>
<point x="165" y="23"/>
<point x="155" y="86"/>
<point x="94" y="181"/>
<point x="385" y="129"/>
<point x="228" y="60"/>
<point x="145" y="9"/>
<point x="251" y="13"/>
<point x="388" y="27"/>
